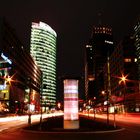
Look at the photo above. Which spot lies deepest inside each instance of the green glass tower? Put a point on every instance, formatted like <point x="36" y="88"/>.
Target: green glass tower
<point x="43" y="50"/>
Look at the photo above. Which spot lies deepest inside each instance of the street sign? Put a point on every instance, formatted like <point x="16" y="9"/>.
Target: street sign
<point x="113" y="98"/>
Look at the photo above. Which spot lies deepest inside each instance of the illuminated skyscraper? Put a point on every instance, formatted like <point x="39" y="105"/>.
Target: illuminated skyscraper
<point x="43" y="50"/>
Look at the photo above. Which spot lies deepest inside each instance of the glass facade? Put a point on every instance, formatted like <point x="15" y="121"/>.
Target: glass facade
<point x="43" y="50"/>
<point x="137" y="44"/>
<point x="20" y="77"/>
<point x="89" y="70"/>
<point x="100" y="46"/>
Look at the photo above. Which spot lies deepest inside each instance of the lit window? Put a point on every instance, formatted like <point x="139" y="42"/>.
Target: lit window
<point x="127" y="60"/>
<point x="135" y="60"/>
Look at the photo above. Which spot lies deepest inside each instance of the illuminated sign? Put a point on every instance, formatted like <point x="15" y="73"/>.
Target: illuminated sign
<point x="6" y="58"/>
<point x="2" y="87"/>
<point x="109" y="42"/>
<point x="4" y="92"/>
<point x="31" y="107"/>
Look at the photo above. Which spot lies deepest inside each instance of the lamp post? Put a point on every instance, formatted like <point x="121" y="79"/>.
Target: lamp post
<point x="123" y="80"/>
<point x="107" y="108"/>
<point x="94" y="107"/>
<point x="41" y="90"/>
<point x="29" y="113"/>
<point x="114" y="116"/>
<point x="108" y="92"/>
<point x="89" y="103"/>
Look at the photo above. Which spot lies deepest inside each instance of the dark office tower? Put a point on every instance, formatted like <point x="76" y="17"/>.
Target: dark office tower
<point x="89" y="71"/>
<point x="20" y="77"/>
<point x="123" y="63"/>
<point x="137" y="44"/>
<point x="102" y="43"/>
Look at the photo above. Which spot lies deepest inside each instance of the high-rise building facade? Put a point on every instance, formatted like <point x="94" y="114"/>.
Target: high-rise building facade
<point x="43" y="50"/>
<point x="101" y="46"/>
<point x="20" y="77"/>
<point x="137" y="44"/>
<point x="89" y="71"/>
<point x="123" y="63"/>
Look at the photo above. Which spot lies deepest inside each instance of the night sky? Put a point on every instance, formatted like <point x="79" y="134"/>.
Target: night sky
<point x="73" y="21"/>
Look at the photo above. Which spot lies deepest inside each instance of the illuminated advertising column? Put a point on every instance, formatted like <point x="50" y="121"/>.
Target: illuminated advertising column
<point x="71" y="117"/>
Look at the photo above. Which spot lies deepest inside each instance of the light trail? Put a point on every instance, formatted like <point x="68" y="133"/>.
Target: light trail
<point x="17" y="121"/>
<point x="127" y="117"/>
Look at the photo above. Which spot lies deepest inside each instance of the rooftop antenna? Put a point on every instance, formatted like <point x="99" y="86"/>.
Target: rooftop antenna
<point x="99" y="16"/>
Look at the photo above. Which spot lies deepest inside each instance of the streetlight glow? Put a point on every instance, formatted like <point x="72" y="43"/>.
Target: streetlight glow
<point x="123" y="79"/>
<point x="8" y="79"/>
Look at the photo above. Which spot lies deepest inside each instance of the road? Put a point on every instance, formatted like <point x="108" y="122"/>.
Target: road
<point x="18" y="121"/>
<point x="131" y="131"/>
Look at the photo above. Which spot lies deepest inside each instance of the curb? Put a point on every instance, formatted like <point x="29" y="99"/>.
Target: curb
<point x="85" y="132"/>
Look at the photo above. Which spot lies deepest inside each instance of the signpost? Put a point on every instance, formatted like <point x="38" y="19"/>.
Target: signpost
<point x="114" y="99"/>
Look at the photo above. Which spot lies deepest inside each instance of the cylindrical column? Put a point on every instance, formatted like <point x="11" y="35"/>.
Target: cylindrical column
<point x="71" y="117"/>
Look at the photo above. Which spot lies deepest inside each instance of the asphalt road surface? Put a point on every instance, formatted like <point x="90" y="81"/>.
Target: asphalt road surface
<point x="125" y="134"/>
<point x="130" y="131"/>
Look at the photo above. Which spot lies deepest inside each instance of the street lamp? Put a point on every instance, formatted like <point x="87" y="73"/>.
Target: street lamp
<point x="94" y="106"/>
<point x="103" y="92"/>
<point x="59" y="105"/>
<point x="123" y="80"/>
<point x="8" y="79"/>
